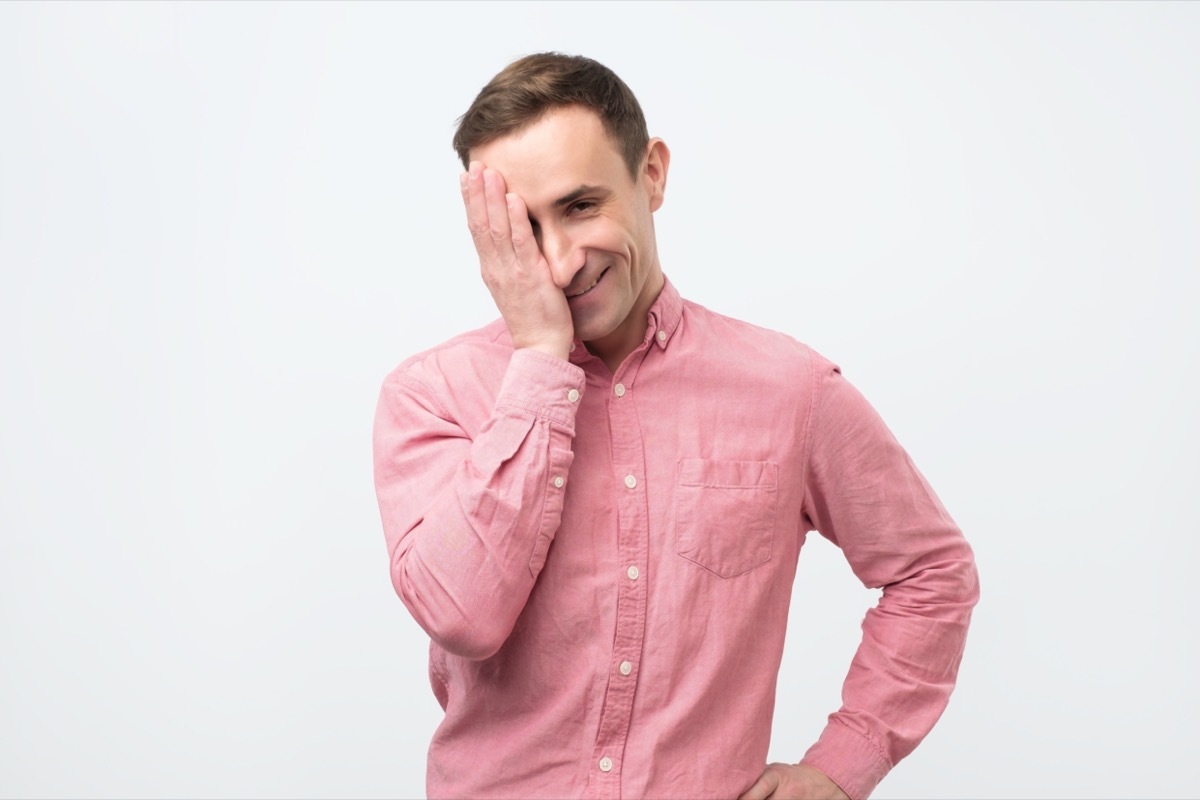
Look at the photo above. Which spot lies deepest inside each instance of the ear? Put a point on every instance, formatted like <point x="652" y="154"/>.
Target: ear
<point x="654" y="172"/>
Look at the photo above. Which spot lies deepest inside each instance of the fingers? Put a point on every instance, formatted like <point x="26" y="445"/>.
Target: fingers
<point x="521" y="230"/>
<point x="491" y="215"/>
<point x="497" y="208"/>
<point x="474" y="189"/>
<point x="766" y="784"/>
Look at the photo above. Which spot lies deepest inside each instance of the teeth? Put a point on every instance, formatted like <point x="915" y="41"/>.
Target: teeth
<point x="588" y="289"/>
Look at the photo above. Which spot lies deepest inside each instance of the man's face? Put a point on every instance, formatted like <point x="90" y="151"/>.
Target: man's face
<point x="591" y="218"/>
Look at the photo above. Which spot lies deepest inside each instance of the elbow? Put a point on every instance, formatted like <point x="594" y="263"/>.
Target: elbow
<point x="973" y="590"/>
<point x="946" y="587"/>
<point x="961" y="590"/>
<point x="473" y="636"/>
<point x="472" y="630"/>
<point x="967" y="579"/>
<point x="958" y="583"/>
<point x="471" y="642"/>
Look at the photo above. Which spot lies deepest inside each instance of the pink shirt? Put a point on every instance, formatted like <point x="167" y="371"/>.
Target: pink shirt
<point x="604" y="562"/>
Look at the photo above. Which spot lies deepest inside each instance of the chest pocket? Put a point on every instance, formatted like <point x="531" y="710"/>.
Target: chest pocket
<point x="725" y="514"/>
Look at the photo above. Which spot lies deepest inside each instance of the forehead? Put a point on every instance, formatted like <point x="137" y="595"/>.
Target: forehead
<point x="566" y="148"/>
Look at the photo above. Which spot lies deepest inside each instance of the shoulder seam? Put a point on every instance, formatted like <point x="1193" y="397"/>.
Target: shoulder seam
<point x="423" y="388"/>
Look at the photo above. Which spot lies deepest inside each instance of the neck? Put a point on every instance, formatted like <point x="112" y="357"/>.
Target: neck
<point x="614" y="348"/>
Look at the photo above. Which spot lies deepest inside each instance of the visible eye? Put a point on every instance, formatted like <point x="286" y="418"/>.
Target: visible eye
<point x="582" y="207"/>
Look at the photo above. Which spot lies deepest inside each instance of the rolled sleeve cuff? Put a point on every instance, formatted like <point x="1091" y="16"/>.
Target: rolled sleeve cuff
<point x="851" y="760"/>
<point x="542" y="385"/>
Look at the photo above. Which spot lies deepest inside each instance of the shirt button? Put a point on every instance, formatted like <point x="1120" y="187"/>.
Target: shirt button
<point x="572" y="347"/>
<point x="606" y="764"/>
<point x="573" y="395"/>
<point x="626" y="668"/>
<point x="633" y="573"/>
<point x="662" y="336"/>
<point x="630" y="481"/>
<point x="558" y="482"/>
<point x="619" y="390"/>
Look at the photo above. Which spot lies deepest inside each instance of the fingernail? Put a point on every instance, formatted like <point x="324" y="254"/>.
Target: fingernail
<point x="476" y="168"/>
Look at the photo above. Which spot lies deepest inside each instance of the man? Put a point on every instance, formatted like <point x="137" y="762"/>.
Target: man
<point x="595" y="504"/>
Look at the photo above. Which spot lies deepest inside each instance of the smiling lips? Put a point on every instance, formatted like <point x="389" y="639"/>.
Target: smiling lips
<point x="588" y="289"/>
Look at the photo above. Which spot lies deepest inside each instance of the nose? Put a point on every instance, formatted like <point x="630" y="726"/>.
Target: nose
<point x="563" y="256"/>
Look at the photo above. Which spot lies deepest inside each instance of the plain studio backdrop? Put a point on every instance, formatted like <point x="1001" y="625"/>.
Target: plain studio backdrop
<point x="221" y="225"/>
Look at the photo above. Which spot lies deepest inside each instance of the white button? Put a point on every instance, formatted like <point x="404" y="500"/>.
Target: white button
<point x="606" y="764"/>
<point x="558" y="482"/>
<point x="573" y="395"/>
<point x="633" y="573"/>
<point x="626" y="668"/>
<point x="572" y="347"/>
<point x="662" y="336"/>
<point x="630" y="481"/>
<point x="619" y="390"/>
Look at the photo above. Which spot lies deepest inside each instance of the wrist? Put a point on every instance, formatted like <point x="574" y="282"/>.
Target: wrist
<point x="556" y="349"/>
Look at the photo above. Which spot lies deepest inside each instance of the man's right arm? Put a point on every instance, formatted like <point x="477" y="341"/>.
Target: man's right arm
<point x="468" y="518"/>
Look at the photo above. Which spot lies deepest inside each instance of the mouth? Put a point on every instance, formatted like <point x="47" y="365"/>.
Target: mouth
<point x="589" y="288"/>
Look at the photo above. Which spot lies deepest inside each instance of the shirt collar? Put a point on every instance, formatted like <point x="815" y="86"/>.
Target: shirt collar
<point x="664" y="315"/>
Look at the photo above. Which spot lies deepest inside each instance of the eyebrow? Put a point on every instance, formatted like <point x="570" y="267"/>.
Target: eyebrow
<point x="567" y="199"/>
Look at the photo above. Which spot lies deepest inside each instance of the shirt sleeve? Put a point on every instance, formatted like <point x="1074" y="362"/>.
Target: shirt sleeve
<point x="865" y="495"/>
<point x="468" y="519"/>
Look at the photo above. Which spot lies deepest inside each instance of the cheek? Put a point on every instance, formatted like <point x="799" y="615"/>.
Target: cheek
<point x="606" y="235"/>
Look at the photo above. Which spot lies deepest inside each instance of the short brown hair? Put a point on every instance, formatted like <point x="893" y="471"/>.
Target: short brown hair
<point x="529" y="87"/>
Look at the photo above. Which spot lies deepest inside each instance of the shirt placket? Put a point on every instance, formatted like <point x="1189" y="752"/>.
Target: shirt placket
<point x="629" y="465"/>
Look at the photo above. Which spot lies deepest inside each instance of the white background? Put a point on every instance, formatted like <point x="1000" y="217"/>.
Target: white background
<point x="222" y="224"/>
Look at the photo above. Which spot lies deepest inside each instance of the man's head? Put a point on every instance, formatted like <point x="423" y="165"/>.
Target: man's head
<point x="589" y="193"/>
<point x="528" y="88"/>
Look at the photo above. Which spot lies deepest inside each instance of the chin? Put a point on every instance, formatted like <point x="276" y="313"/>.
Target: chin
<point x="593" y="331"/>
<point x="590" y="334"/>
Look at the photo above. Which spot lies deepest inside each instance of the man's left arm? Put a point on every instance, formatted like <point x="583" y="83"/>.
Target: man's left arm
<point x="864" y="494"/>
